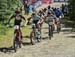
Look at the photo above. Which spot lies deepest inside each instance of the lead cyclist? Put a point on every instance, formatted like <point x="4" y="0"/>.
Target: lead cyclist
<point x="17" y="20"/>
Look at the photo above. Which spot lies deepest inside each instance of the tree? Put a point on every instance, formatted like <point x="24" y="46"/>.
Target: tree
<point x="72" y="9"/>
<point x="3" y="8"/>
<point x="7" y="7"/>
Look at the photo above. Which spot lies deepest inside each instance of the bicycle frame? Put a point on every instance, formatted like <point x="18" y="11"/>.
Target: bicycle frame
<point x="17" y="39"/>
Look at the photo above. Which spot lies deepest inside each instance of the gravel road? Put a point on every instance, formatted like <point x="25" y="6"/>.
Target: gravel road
<point x="61" y="45"/>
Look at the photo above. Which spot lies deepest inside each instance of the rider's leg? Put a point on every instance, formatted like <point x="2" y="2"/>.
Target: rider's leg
<point x="32" y="36"/>
<point x="39" y="27"/>
<point x="20" y="33"/>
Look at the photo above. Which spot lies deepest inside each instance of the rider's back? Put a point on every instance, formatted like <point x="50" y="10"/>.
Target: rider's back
<point x="50" y="19"/>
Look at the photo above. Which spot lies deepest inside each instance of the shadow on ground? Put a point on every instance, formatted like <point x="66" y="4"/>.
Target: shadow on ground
<point x="26" y="36"/>
<point x="7" y="49"/>
<point x="44" y="38"/>
<point x="70" y="36"/>
<point x="53" y="32"/>
<point x="26" y="43"/>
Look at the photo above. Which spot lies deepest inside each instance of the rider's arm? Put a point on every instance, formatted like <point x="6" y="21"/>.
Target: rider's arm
<point x="42" y="18"/>
<point x="11" y="18"/>
<point x="23" y="17"/>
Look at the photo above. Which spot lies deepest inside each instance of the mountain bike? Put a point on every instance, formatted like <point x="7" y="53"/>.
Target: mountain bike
<point x="35" y="35"/>
<point x="17" y="41"/>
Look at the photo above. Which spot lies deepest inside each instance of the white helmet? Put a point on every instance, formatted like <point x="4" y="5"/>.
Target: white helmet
<point x="16" y="27"/>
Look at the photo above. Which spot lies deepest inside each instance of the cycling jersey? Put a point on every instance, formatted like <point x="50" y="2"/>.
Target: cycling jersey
<point x="50" y="10"/>
<point x="35" y="19"/>
<point x="58" y="13"/>
<point x="18" y="19"/>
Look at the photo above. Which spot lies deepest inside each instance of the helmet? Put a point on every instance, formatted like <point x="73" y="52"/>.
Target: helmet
<point x="49" y="13"/>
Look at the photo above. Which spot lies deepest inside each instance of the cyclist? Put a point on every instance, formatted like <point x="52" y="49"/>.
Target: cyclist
<point x="59" y="15"/>
<point x="50" y="20"/>
<point x="49" y="9"/>
<point x="18" y="19"/>
<point x="35" y="21"/>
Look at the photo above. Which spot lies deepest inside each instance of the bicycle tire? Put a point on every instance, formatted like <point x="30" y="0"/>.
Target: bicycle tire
<point x="50" y="32"/>
<point x="15" y="43"/>
<point x="38" y="37"/>
<point x="14" y="46"/>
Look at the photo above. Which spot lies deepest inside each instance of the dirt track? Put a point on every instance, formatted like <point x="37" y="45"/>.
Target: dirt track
<point x="61" y="45"/>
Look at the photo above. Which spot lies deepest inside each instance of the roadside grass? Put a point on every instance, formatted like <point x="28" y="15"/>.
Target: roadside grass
<point x="68" y="23"/>
<point x="6" y="40"/>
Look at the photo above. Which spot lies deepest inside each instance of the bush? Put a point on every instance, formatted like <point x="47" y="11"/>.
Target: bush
<point x="72" y="10"/>
<point x="3" y="30"/>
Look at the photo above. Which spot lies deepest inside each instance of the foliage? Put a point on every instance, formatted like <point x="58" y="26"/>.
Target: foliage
<point x="72" y="10"/>
<point x="2" y="30"/>
<point x="7" y="7"/>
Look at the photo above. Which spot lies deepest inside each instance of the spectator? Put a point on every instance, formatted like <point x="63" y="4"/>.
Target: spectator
<point x="26" y="7"/>
<point x="62" y="8"/>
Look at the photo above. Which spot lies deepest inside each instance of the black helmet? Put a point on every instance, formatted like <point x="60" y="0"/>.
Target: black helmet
<point x="49" y="13"/>
<point x="17" y="11"/>
<point x="49" y="7"/>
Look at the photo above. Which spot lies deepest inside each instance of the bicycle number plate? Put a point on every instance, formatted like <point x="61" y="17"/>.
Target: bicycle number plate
<point x="50" y="23"/>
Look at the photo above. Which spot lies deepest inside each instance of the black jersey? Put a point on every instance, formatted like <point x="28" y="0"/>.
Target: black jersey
<point x="18" y="19"/>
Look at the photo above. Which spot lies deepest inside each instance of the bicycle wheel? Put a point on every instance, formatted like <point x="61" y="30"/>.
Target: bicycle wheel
<point x="38" y="35"/>
<point x="50" y="32"/>
<point x="15" y="42"/>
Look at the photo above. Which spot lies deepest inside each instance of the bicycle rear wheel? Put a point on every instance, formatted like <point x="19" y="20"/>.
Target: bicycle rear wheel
<point x="14" y="45"/>
<point x="15" y="42"/>
<point x="50" y="32"/>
